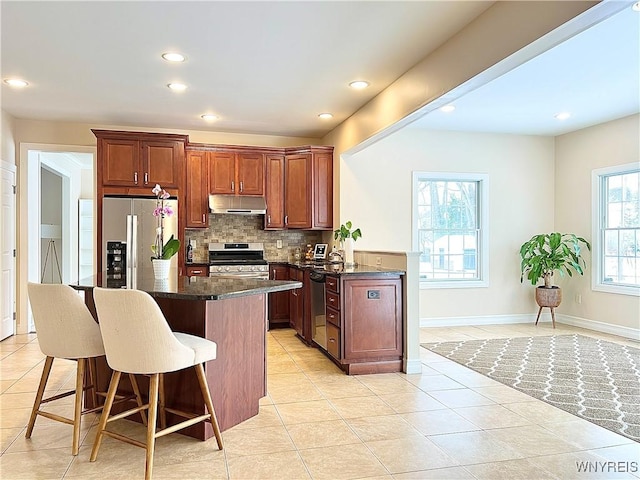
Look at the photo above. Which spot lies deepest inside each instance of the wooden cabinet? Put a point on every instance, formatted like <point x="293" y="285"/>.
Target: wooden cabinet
<point x="364" y="319"/>
<point x="139" y="160"/>
<point x="279" y="301"/>
<point x="197" y="270"/>
<point x="274" y="192"/>
<point x="236" y="173"/>
<point x="309" y="188"/>
<point x="296" y="302"/>
<point x="197" y="189"/>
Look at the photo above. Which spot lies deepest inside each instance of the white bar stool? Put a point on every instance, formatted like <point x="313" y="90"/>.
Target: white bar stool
<point x="138" y="340"/>
<point x="66" y="329"/>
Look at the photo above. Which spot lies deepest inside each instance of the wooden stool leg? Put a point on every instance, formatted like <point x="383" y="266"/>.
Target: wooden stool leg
<point x="113" y="388"/>
<point x="204" y="387"/>
<point x="38" y="400"/>
<point x="553" y="317"/>
<point x="163" y="413"/>
<point x="151" y="426"/>
<point x="77" y="408"/>
<point x="91" y="367"/>
<point x="136" y="391"/>
<point x="538" y="317"/>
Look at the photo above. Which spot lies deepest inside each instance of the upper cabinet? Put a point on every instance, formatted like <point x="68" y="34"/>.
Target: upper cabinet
<point x="308" y="192"/>
<point x="274" y="192"/>
<point x="139" y="160"/>
<point x="197" y="189"/>
<point x="236" y="173"/>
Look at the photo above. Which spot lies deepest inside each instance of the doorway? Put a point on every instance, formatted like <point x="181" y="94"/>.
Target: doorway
<point x="53" y="181"/>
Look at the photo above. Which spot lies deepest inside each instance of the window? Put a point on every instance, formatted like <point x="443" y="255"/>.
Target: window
<point x="616" y="236"/>
<point x="450" y="228"/>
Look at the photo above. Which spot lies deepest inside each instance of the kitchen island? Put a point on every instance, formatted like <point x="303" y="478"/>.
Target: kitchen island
<point x="228" y="311"/>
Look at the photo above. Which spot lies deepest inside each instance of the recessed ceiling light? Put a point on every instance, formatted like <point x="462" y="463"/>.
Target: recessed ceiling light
<point x="562" y="115"/>
<point x="209" y="117"/>
<point x="447" y="108"/>
<point x="15" y="82"/>
<point x="359" y="84"/>
<point x="173" y="57"/>
<point x="325" y="115"/>
<point x="636" y="6"/>
<point x="178" y="87"/>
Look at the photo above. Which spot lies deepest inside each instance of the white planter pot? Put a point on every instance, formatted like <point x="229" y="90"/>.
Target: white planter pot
<point x="161" y="268"/>
<point x="348" y="252"/>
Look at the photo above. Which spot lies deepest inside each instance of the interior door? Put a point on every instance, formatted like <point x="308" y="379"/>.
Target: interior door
<point x="7" y="250"/>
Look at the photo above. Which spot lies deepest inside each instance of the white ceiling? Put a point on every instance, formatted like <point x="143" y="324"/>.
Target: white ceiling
<point x="594" y="75"/>
<point x="263" y="67"/>
<point x="272" y="67"/>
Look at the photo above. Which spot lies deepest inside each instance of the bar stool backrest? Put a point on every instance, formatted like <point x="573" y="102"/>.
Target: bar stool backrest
<point x="64" y="324"/>
<point x="136" y="335"/>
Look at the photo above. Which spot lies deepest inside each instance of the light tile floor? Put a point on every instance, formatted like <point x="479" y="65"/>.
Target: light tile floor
<point x="446" y="423"/>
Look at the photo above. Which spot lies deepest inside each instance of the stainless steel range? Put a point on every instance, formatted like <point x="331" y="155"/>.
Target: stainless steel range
<point x="237" y="260"/>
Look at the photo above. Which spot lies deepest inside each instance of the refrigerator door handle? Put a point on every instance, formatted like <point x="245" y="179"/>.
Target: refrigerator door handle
<point x="134" y="240"/>
<point x="129" y="250"/>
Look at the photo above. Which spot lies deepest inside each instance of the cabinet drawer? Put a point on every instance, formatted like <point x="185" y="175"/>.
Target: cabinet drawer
<point x="333" y="300"/>
<point x="331" y="283"/>
<point x="333" y="316"/>
<point x="333" y="341"/>
<point x="197" y="271"/>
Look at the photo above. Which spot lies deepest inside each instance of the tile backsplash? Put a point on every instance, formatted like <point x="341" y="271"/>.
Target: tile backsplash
<point x="248" y="228"/>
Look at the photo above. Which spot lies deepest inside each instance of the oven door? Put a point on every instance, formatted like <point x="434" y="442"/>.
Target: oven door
<point x="258" y="275"/>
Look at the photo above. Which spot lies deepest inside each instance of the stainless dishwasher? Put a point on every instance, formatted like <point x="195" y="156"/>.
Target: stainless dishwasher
<point x="318" y="312"/>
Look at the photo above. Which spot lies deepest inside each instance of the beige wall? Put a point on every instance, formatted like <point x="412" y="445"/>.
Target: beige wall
<point x="8" y="147"/>
<point x="376" y="191"/>
<point x="577" y="155"/>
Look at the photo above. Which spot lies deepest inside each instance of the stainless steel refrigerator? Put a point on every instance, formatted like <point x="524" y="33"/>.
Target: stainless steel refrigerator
<point x="129" y="222"/>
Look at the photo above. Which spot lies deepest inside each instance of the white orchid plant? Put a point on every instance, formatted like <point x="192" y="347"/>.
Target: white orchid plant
<point x="160" y="249"/>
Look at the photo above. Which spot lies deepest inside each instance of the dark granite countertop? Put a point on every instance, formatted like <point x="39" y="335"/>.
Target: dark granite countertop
<point x="340" y="269"/>
<point x="190" y="288"/>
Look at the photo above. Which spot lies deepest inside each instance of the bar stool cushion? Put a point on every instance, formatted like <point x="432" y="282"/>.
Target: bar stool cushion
<point x="204" y="349"/>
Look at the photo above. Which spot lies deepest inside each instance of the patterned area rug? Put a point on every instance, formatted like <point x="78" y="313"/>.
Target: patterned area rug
<point x="592" y="379"/>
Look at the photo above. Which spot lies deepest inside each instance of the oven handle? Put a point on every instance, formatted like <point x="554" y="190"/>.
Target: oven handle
<point x="261" y="275"/>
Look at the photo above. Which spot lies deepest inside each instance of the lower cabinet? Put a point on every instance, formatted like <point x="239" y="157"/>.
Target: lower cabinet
<point x="296" y="302"/>
<point x="364" y="322"/>
<point x="197" y="270"/>
<point x="279" y="301"/>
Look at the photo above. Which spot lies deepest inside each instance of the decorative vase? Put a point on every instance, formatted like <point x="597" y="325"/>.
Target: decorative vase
<point x="161" y="268"/>
<point x="348" y="252"/>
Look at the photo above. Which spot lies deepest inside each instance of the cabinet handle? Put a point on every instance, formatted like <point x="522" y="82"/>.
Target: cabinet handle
<point x="269" y="219"/>
<point x="196" y="272"/>
<point x="146" y="178"/>
<point x="332" y="340"/>
<point x="331" y="300"/>
<point x="241" y="185"/>
<point x="233" y="186"/>
<point x="204" y="220"/>
<point x="286" y="219"/>
<point x="135" y="177"/>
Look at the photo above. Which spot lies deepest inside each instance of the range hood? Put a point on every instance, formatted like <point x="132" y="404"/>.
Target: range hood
<point x="237" y="205"/>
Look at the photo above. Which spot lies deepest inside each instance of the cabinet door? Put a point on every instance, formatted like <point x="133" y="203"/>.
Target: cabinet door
<point x="222" y="171"/>
<point x="297" y="191"/>
<point x="274" y="192"/>
<point x="162" y="163"/>
<point x="372" y="318"/>
<point x="278" y="301"/>
<point x="296" y="302"/>
<point x="197" y="197"/>
<point x="322" y="191"/>
<point x="120" y="161"/>
<point x="250" y="174"/>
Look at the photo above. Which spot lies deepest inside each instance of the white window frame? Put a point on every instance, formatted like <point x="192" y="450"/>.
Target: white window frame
<point x="483" y="223"/>
<point x="597" y="211"/>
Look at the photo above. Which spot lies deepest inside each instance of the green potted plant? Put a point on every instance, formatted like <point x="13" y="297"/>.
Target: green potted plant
<point x="162" y="252"/>
<point x="346" y="234"/>
<point x="544" y="254"/>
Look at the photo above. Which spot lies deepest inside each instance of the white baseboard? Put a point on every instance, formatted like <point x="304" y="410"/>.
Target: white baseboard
<point x="412" y="366"/>
<point x="631" y="333"/>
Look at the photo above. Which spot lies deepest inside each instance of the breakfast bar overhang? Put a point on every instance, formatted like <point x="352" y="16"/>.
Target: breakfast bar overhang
<point x="232" y="312"/>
